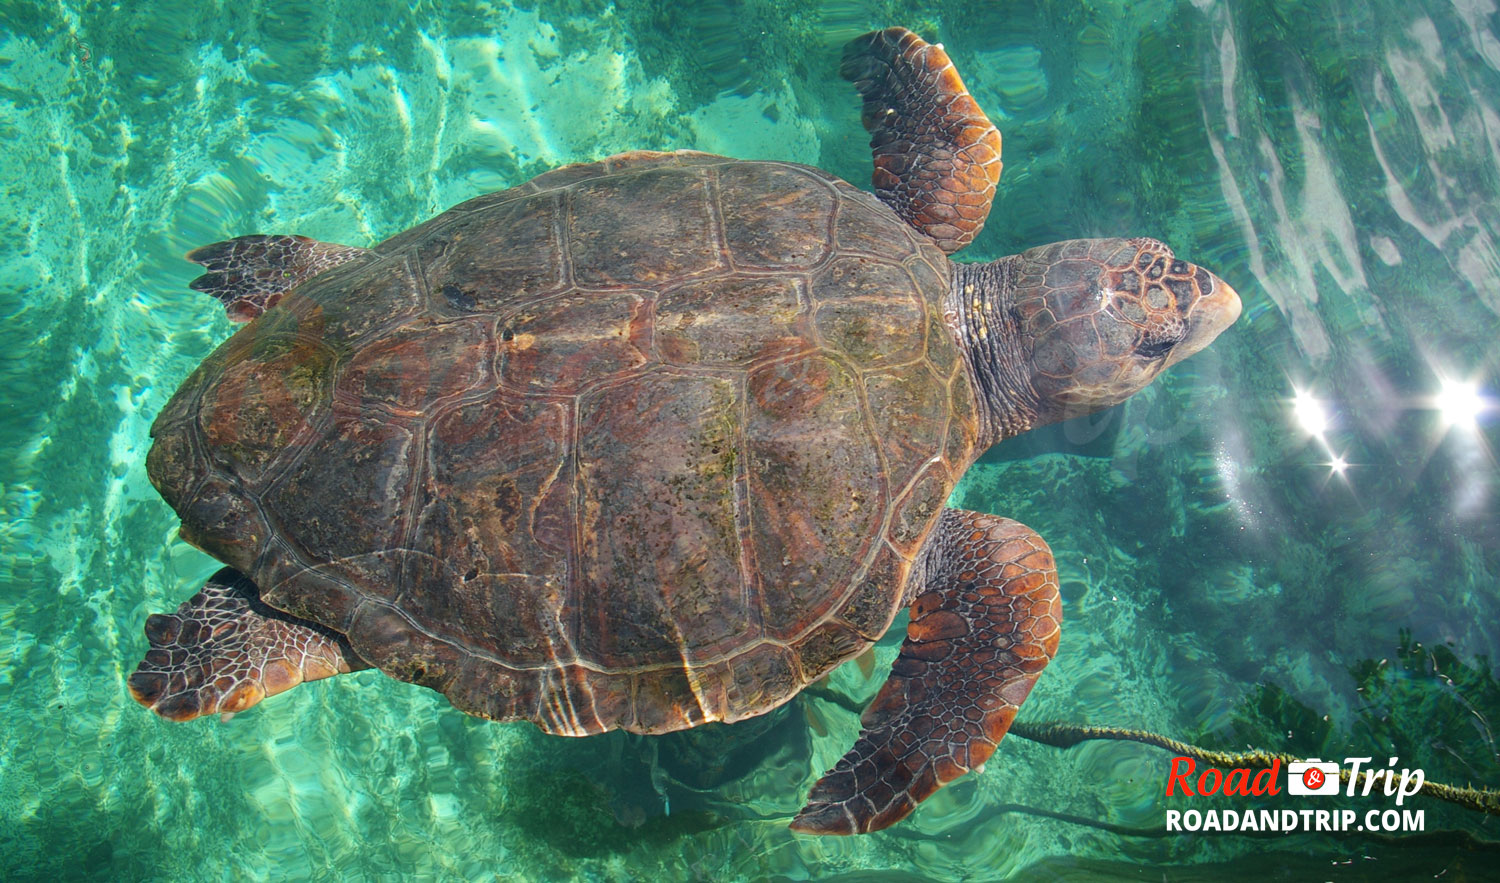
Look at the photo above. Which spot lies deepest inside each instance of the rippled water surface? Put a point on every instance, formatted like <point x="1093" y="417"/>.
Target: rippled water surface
<point x="1228" y="576"/>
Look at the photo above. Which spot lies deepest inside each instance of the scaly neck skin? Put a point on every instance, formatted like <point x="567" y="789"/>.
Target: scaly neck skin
<point x="998" y="360"/>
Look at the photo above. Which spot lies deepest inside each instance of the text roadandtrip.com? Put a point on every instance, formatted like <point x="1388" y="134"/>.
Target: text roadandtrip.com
<point x="1309" y="778"/>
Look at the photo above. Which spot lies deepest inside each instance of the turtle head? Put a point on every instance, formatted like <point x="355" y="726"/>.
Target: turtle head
<point x="1085" y="324"/>
<point x="1105" y="316"/>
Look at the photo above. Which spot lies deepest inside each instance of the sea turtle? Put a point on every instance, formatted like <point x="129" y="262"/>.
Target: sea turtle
<point x="659" y="440"/>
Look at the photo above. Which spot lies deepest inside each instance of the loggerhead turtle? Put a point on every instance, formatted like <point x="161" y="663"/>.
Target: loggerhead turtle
<point x="659" y="440"/>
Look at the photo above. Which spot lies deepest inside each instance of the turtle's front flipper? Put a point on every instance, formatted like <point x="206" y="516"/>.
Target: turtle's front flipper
<point x="225" y="650"/>
<point x="983" y="626"/>
<point x="937" y="156"/>
<point x="251" y="273"/>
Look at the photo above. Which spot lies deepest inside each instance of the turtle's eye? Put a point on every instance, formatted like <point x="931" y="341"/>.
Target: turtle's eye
<point x="1156" y="349"/>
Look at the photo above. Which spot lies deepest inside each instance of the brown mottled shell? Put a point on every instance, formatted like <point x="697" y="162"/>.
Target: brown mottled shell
<point x="642" y="443"/>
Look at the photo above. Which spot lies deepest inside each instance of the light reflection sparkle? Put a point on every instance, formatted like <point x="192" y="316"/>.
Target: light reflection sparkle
<point x="1311" y="413"/>
<point x="1459" y="403"/>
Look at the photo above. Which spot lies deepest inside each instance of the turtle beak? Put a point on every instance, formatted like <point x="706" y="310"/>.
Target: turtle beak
<point x="1214" y="311"/>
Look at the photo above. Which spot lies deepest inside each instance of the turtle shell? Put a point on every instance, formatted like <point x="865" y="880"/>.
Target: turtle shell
<point x="642" y="443"/>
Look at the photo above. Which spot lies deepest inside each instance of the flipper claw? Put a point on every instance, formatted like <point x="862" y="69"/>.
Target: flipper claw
<point x="225" y="650"/>
<point x="250" y="274"/>
<point x="983" y="626"/>
<point x="937" y="156"/>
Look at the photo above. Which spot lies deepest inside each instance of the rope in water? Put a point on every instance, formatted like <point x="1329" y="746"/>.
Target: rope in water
<point x="1060" y="735"/>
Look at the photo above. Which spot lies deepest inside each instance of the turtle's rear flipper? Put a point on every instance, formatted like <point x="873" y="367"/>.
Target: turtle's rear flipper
<point x="937" y="156"/>
<point x="983" y="626"/>
<point x="251" y="273"/>
<point x="225" y="650"/>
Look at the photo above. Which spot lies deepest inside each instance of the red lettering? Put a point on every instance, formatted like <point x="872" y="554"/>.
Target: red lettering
<point x="1204" y="787"/>
<point x="1179" y="777"/>
<point x="1212" y="781"/>
<point x="1271" y="783"/>
<point x="1238" y="782"/>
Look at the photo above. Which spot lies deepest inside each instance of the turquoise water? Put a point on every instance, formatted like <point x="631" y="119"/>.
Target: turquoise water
<point x="1338" y="162"/>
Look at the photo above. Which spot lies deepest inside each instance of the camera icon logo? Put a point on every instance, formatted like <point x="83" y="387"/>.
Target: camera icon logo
<point x="1312" y="776"/>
